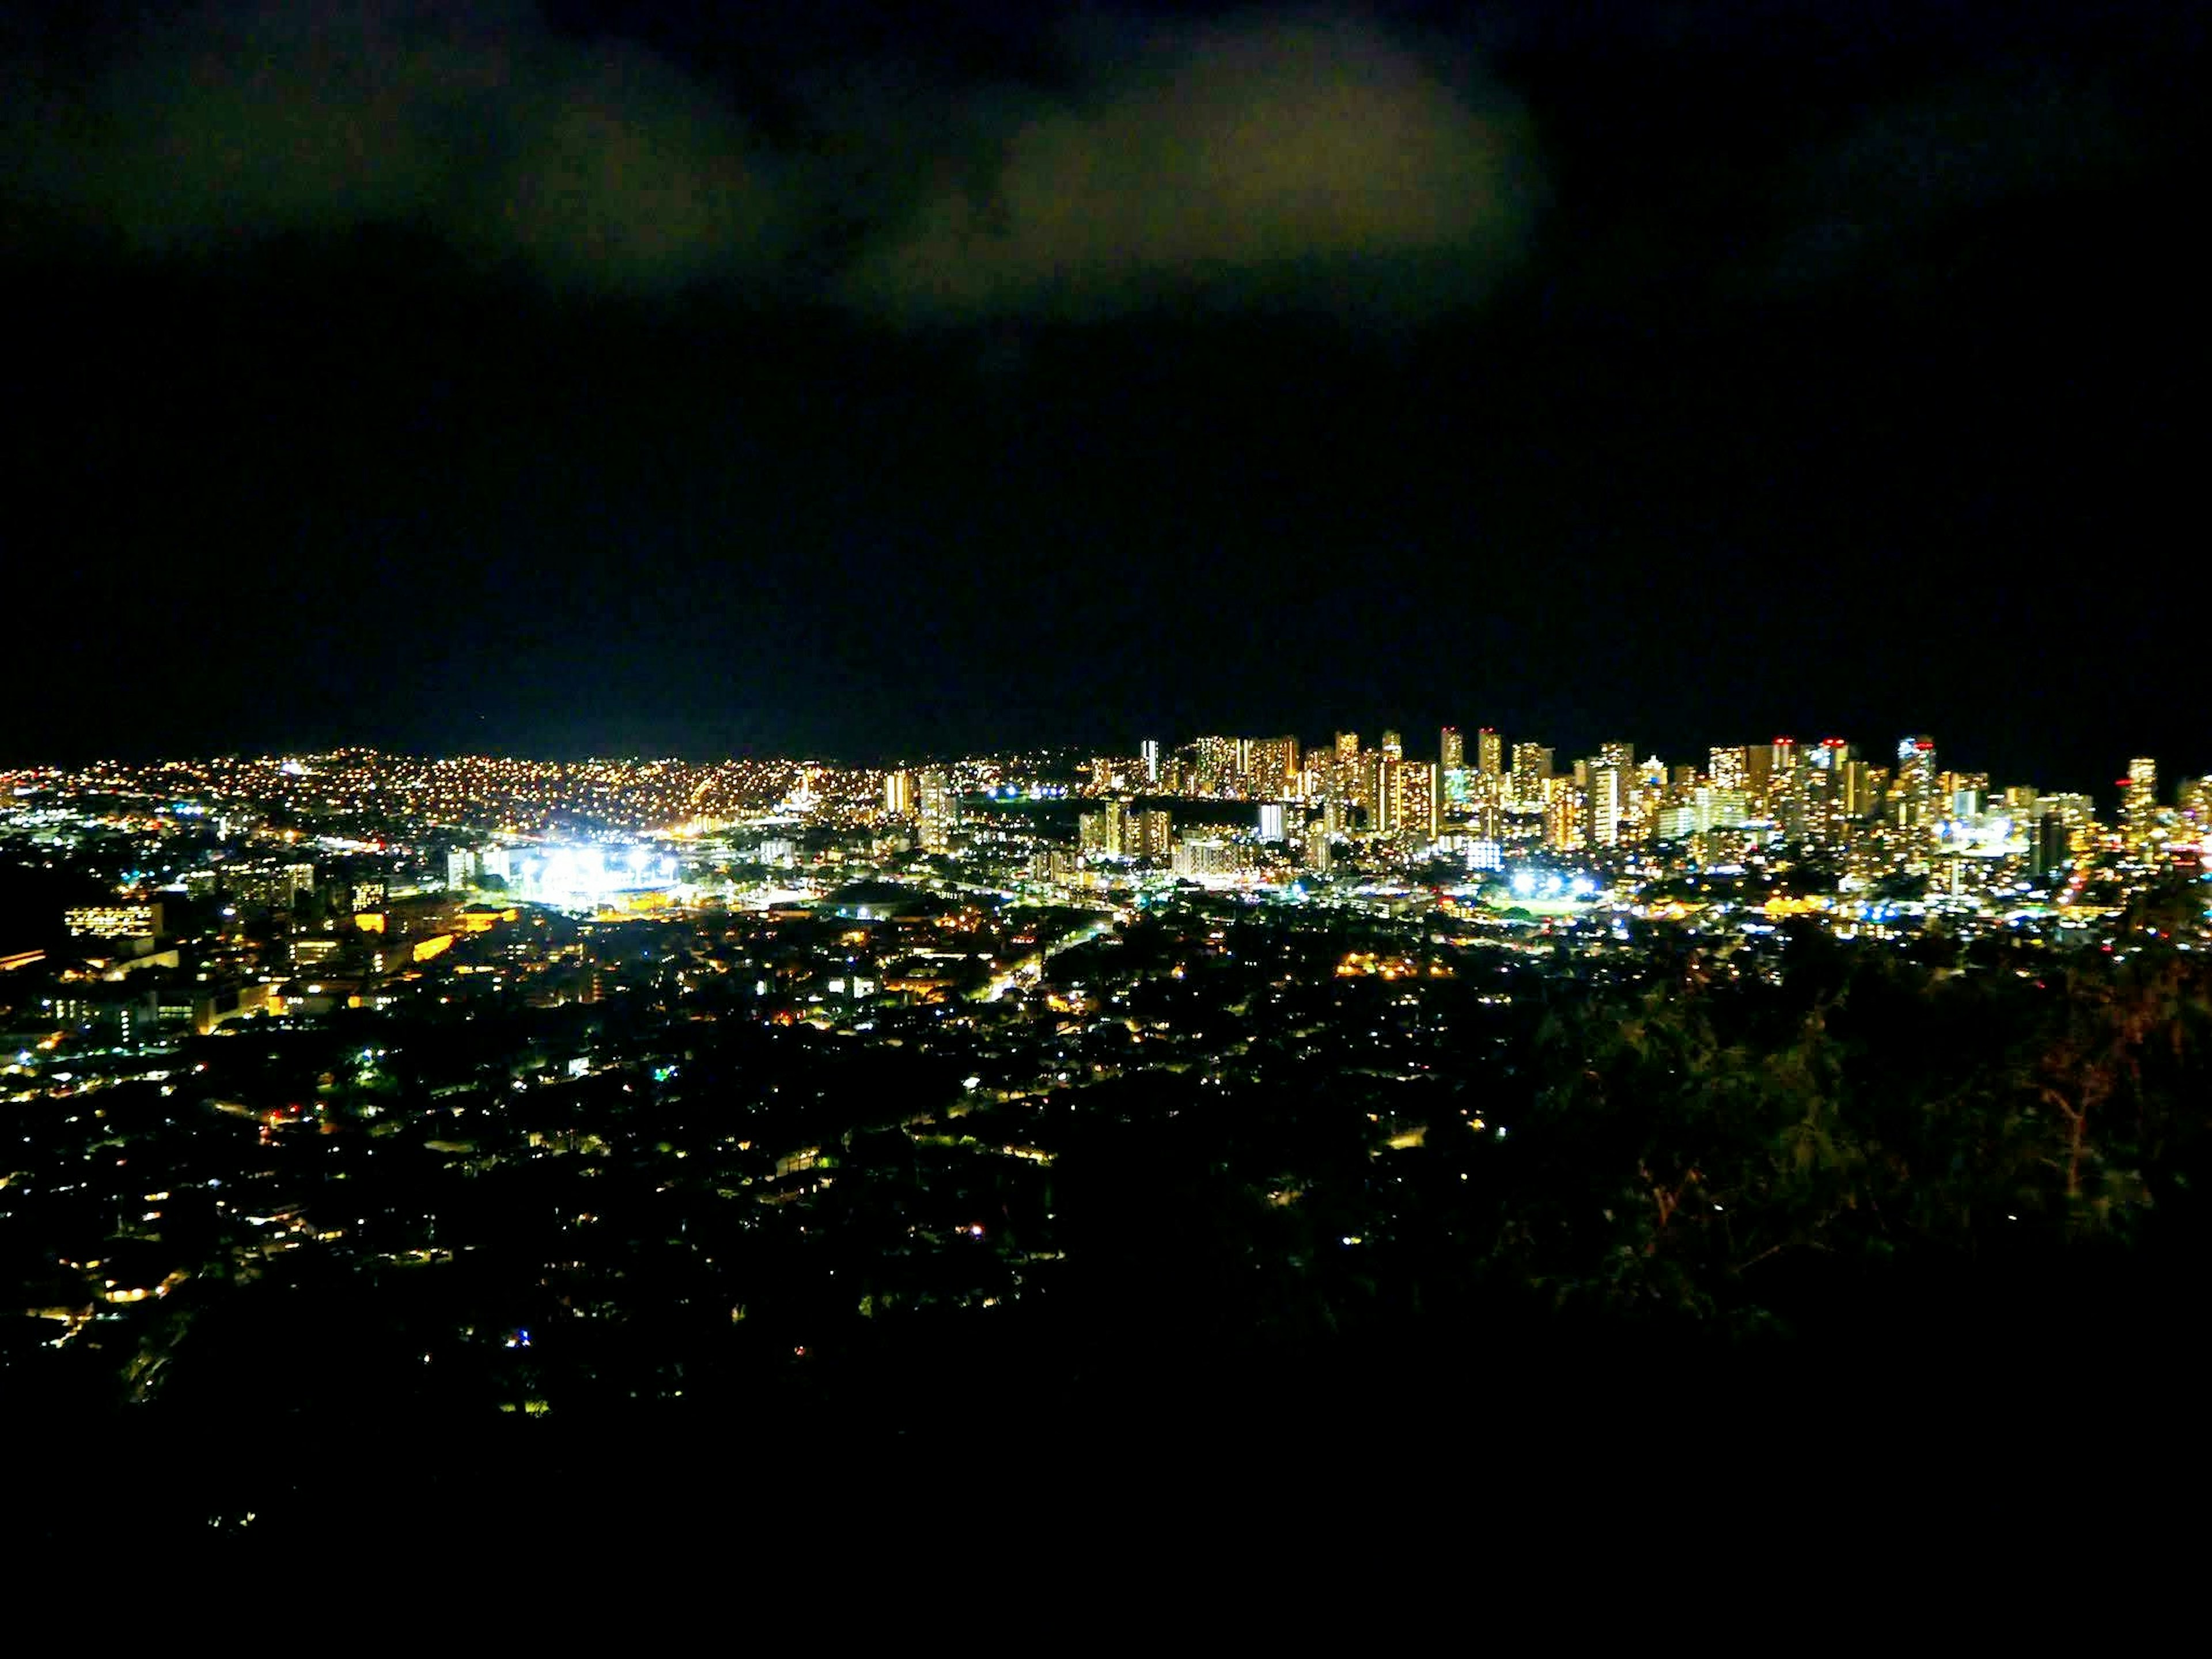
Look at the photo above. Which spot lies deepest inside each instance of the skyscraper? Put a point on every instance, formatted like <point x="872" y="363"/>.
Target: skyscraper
<point x="1913" y="800"/>
<point x="1489" y="752"/>
<point x="1385" y="814"/>
<point x="939" y="809"/>
<point x="1394" y="747"/>
<point x="1151" y="754"/>
<point x="1105" y="830"/>
<point x="1564" y="809"/>
<point x="1532" y="765"/>
<point x="1451" y="749"/>
<point x="898" y="795"/>
<point x="1271" y="766"/>
<point x="2139" y="807"/>
<point x="1611" y="776"/>
<point x="1217" y="765"/>
<point x="1420" y="799"/>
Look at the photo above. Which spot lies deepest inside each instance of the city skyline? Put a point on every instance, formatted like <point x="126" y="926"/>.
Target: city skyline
<point x="1434" y="750"/>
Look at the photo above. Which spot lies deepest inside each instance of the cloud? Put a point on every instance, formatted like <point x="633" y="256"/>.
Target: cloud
<point x="1304" y="158"/>
<point x="596" y="165"/>
<point x="1938" y="159"/>
<point x="1312" y="160"/>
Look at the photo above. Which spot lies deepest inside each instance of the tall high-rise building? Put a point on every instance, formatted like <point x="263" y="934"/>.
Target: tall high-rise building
<point x="1915" y="800"/>
<point x="1150" y="833"/>
<point x="1106" y="829"/>
<point x="898" y="795"/>
<point x="1608" y="780"/>
<point x="2050" y="848"/>
<point x="1562" y="802"/>
<point x="1316" y="848"/>
<point x="1451" y="749"/>
<point x="1420" y="799"/>
<point x="1489" y="752"/>
<point x="1271" y="821"/>
<point x="1271" y="766"/>
<point x="1730" y="768"/>
<point x="1394" y="747"/>
<point x="1813" y="800"/>
<point x="1385" y="810"/>
<point x="1532" y="765"/>
<point x="1217" y="765"/>
<point x="1603" y="798"/>
<point x="938" y="806"/>
<point x="1861" y="790"/>
<point x="2139" y="807"/>
<point x="1151" y="758"/>
<point x="2194" y="801"/>
<point x="2077" y="814"/>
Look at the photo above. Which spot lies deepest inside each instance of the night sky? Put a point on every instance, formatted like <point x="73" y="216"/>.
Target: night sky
<point x="883" y="380"/>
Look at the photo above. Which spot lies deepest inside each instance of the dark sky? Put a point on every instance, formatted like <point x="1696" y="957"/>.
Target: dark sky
<point x="890" y="379"/>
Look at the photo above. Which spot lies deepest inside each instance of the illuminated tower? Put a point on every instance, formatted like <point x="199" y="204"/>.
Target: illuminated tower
<point x="1106" y="830"/>
<point x="1532" y="765"/>
<point x="1821" y="794"/>
<point x="1216" y="764"/>
<point x="1611" y="776"/>
<point x="2139" y="807"/>
<point x="1563" y="807"/>
<point x="1271" y="766"/>
<point x="1602" y="805"/>
<point x="938" y="806"/>
<point x="1420" y="798"/>
<point x="1489" y="752"/>
<point x="1452" y="778"/>
<point x="1151" y="753"/>
<point x="1861" y="787"/>
<point x="1393" y="746"/>
<point x="1730" y="768"/>
<point x="2194" y="801"/>
<point x="1913" y="799"/>
<point x="898" y="795"/>
<point x="1385" y="809"/>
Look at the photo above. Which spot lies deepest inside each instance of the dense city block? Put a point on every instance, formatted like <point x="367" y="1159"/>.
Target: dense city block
<point x="352" y="1084"/>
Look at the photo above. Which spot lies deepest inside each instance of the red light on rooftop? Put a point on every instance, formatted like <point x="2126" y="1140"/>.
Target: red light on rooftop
<point x="1924" y="745"/>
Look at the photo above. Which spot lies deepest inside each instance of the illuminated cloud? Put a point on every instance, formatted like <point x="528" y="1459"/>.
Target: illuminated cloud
<point x="1953" y="151"/>
<point x="1312" y="160"/>
<point x="1303" y="158"/>
<point x="595" y="164"/>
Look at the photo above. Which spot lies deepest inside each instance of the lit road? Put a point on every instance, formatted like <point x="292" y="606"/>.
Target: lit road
<point x="1029" y="967"/>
